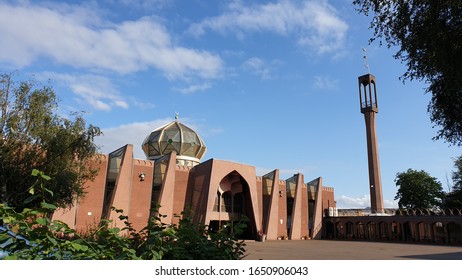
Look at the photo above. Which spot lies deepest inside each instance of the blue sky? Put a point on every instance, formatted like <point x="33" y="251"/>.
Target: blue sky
<point x="267" y="83"/>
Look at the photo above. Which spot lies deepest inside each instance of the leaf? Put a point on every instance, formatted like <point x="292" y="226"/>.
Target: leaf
<point x="48" y="206"/>
<point x="31" y="198"/>
<point x="76" y="246"/>
<point x="52" y="240"/>
<point x="32" y="191"/>
<point x="35" y="172"/>
<point x="57" y="255"/>
<point x="41" y="221"/>
<point x="114" y="231"/>
<point x="45" y="177"/>
<point x="49" y="191"/>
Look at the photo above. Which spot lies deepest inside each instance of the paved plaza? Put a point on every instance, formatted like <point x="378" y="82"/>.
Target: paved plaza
<point x="347" y="250"/>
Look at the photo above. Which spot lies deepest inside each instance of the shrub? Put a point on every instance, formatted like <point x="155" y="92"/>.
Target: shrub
<point x="55" y="240"/>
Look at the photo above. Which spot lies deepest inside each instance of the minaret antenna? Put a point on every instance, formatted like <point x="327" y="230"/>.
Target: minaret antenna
<point x="366" y="66"/>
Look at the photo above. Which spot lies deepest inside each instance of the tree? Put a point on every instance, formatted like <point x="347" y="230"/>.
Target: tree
<point x="417" y="189"/>
<point x="454" y="197"/>
<point x="428" y="34"/>
<point x="33" y="135"/>
<point x="457" y="174"/>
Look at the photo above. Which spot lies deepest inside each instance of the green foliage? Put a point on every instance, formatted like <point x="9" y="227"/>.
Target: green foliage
<point x="454" y="197"/>
<point x="457" y="174"/>
<point x="54" y="240"/>
<point x="417" y="189"/>
<point x="428" y="34"/>
<point x="33" y="135"/>
<point x="190" y="241"/>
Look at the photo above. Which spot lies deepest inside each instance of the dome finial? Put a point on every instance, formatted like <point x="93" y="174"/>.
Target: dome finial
<point x="177" y="115"/>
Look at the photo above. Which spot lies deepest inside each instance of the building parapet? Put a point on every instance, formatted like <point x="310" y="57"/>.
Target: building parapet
<point x="182" y="167"/>
<point x="143" y="162"/>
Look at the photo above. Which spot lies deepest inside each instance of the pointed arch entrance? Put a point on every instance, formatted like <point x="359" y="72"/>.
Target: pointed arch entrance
<point x="232" y="204"/>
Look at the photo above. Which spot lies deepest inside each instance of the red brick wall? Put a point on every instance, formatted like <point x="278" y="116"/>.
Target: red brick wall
<point x="90" y="207"/>
<point x="140" y="200"/>
<point x="328" y="199"/>
<point x="181" y="191"/>
<point x="282" y="228"/>
<point x="260" y="200"/>
<point x="304" y="222"/>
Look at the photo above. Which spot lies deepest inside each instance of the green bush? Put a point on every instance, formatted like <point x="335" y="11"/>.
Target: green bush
<point x="55" y="240"/>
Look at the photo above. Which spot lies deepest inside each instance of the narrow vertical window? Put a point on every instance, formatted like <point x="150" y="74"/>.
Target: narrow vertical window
<point x="216" y="205"/>
<point x="227" y="202"/>
<point x="238" y="203"/>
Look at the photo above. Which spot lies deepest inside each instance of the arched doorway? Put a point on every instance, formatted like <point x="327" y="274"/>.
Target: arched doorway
<point x="396" y="231"/>
<point x="360" y="232"/>
<point x="383" y="231"/>
<point x="330" y="230"/>
<point x="371" y="231"/>
<point x="438" y="231"/>
<point x="233" y="204"/>
<point x="408" y="232"/>
<point x="350" y="232"/>
<point x="454" y="233"/>
<point x="340" y="231"/>
<point x="424" y="232"/>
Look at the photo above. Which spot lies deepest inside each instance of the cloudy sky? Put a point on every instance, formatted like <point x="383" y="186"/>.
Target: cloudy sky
<point x="267" y="83"/>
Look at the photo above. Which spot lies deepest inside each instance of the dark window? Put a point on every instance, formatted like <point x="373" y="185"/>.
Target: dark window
<point x="227" y="202"/>
<point x="216" y="205"/>
<point x="238" y="203"/>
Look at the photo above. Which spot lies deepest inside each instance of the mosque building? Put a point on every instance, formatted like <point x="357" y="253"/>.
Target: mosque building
<point x="216" y="191"/>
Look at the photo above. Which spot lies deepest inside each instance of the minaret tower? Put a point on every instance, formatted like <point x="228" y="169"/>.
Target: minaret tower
<point x="369" y="107"/>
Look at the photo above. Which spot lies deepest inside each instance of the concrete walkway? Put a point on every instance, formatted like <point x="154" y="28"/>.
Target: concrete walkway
<point x="347" y="250"/>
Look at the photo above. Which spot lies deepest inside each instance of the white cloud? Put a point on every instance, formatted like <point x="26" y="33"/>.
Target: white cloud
<point x="193" y="88"/>
<point x="133" y="133"/>
<point x="95" y="90"/>
<point x="346" y="202"/>
<point x="144" y="4"/>
<point x="30" y="32"/>
<point x="144" y="105"/>
<point x="353" y="202"/>
<point x="325" y="83"/>
<point x="390" y="203"/>
<point x="314" y="23"/>
<point x="258" y="67"/>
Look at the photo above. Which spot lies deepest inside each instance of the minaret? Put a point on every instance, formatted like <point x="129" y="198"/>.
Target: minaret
<point x="369" y="107"/>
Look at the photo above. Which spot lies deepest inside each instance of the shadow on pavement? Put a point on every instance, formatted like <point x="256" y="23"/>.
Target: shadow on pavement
<point x="442" y="256"/>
